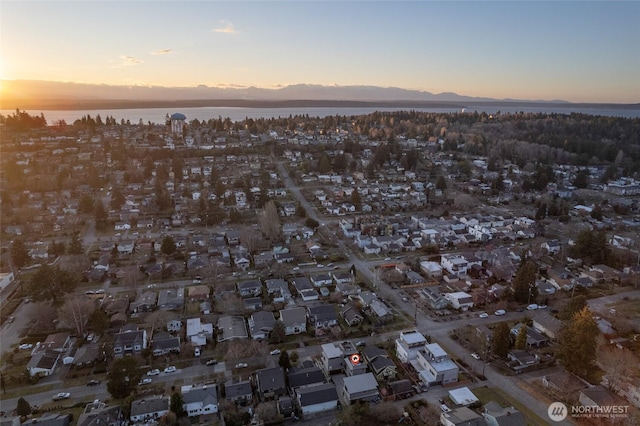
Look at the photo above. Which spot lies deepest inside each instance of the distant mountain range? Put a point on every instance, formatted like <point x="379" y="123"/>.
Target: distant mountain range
<point x="34" y="94"/>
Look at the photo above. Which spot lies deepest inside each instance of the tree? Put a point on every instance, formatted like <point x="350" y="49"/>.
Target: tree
<point x="355" y="415"/>
<point x="43" y="317"/>
<point x="75" y="313"/>
<point x="101" y="216"/>
<point x="50" y="283"/>
<point x="500" y="340"/>
<point x="168" y="245"/>
<point x="324" y="165"/>
<point x="98" y="321"/>
<point x="124" y="376"/>
<point x="177" y="404"/>
<point x="524" y="288"/>
<point x="23" y="408"/>
<point x="619" y="364"/>
<point x="19" y="254"/>
<point x="575" y="305"/>
<point x="355" y="199"/>
<point x="85" y="205"/>
<point x="521" y="339"/>
<point x="268" y="412"/>
<point x="284" y="360"/>
<point x="311" y="223"/>
<point x="294" y="357"/>
<point x="277" y="335"/>
<point x="75" y="245"/>
<point x="117" y="199"/>
<point x="577" y="344"/>
<point x="441" y="183"/>
<point x="270" y="221"/>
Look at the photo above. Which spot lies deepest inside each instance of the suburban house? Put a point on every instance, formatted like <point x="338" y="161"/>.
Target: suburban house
<point x="379" y="363"/>
<point x="334" y="354"/>
<point x="197" y="332"/>
<point x="149" y="408"/>
<point x="323" y="316"/>
<point x="496" y="415"/>
<point x="43" y="363"/>
<point x="261" y="324"/>
<point x="351" y="314"/>
<point x="317" y="398"/>
<point x="299" y="377"/>
<point x="251" y="288"/>
<point x="238" y="392"/>
<point x="362" y="387"/>
<point x="409" y="344"/>
<point x="200" y="400"/>
<point x="171" y="299"/>
<point x="294" y="320"/>
<point x="270" y="383"/>
<point x="461" y="416"/>
<point x="434" y="366"/>
<point x="599" y="396"/>
<point x="460" y="300"/>
<point x="163" y="343"/>
<point x="129" y="341"/>
<point x="547" y="324"/>
<point x="231" y="328"/>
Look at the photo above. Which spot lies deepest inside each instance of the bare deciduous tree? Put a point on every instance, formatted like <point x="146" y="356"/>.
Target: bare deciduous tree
<point x="158" y="320"/>
<point x="270" y="221"/>
<point x="75" y="313"/>
<point x="618" y="363"/>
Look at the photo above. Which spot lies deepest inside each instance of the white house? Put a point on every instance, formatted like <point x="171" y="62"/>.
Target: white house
<point x="460" y="300"/>
<point x="409" y="344"/>
<point x="149" y="408"/>
<point x="199" y="400"/>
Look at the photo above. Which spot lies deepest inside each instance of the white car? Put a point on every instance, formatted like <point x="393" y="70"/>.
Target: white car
<point x="500" y="312"/>
<point x="26" y="346"/>
<point x="144" y="381"/>
<point x="475" y="356"/>
<point x="60" y="396"/>
<point x="153" y="372"/>
<point x="275" y="352"/>
<point x="242" y="365"/>
<point x="532" y="307"/>
<point x="483" y="315"/>
<point x="170" y="369"/>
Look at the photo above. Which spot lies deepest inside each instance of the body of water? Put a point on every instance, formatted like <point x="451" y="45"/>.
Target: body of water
<point x="157" y="115"/>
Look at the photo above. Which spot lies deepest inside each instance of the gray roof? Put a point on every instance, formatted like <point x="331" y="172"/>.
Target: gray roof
<point x="205" y="394"/>
<point x="305" y="376"/>
<point x="293" y="316"/>
<point x="143" y="406"/>
<point x="270" y="379"/>
<point x="236" y="390"/>
<point x="317" y="394"/>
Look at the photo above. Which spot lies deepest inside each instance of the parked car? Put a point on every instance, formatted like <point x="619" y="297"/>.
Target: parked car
<point x="532" y="307"/>
<point x="500" y="312"/>
<point x="242" y="365"/>
<point x="93" y="382"/>
<point x="26" y="346"/>
<point x="475" y="356"/>
<point x="170" y="369"/>
<point x="153" y="372"/>
<point x="275" y="352"/>
<point x="61" y="395"/>
<point x="444" y="408"/>
<point x="361" y="343"/>
<point x="211" y="362"/>
<point x="483" y="315"/>
<point x="144" y="381"/>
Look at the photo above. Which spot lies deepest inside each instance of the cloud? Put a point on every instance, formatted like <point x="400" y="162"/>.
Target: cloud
<point x="161" y="52"/>
<point x="126" y="61"/>
<point x="226" y="29"/>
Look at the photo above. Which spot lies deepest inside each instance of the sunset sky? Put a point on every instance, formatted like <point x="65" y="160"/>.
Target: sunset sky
<point x="580" y="51"/>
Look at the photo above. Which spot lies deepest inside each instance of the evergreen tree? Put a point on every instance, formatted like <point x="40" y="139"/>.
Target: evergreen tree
<point x="521" y="340"/>
<point x="177" y="404"/>
<point x="19" y="254"/>
<point x="124" y="376"/>
<point x="575" y="305"/>
<point x="577" y="344"/>
<point x="284" y="361"/>
<point x="75" y="245"/>
<point x="101" y="216"/>
<point x="524" y="288"/>
<point x="168" y="245"/>
<point x="23" y="408"/>
<point x="50" y="283"/>
<point x="500" y="341"/>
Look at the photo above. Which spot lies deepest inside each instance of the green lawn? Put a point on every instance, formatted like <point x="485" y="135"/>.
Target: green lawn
<point x="486" y="394"/>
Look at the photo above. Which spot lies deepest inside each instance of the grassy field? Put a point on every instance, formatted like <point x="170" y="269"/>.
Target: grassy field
<point x="486" y="394"/>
